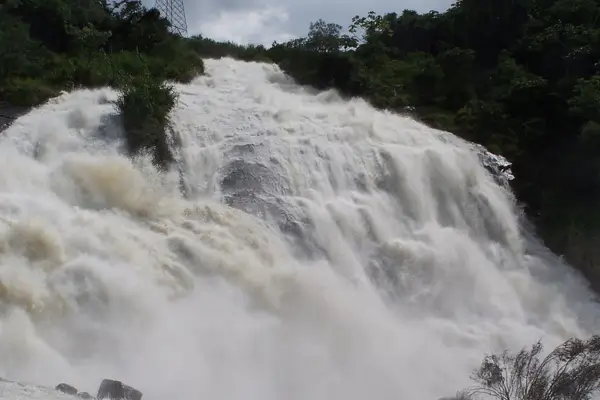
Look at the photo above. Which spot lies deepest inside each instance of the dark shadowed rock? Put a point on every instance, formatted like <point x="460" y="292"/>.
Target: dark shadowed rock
<point x="458" y="396"/>
<point x="85" y="395"/>
<point x="9" y="113"/>
<point x="116" y="390"/>
<point x="68" y="389"/>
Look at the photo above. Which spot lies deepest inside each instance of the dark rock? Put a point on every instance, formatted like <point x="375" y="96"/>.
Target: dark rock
<point x="68" y="389"/>
<point x="9" y="113"/>
<point x="85" y="395"/>
<point x="498" y="166"/>
<point x="116" y="390"/>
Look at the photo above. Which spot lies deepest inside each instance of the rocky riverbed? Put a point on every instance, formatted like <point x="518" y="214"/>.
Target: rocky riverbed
<point x="108" y="389"/>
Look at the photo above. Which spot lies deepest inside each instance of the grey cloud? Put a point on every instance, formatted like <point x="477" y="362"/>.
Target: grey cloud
<point x="262" y="21"/>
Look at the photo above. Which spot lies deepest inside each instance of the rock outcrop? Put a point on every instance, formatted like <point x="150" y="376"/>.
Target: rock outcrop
<point x="8" y="114"/>
<point x="497" y="165"/>
<point x="109" y="389"/>
<point x="67" y="389"/>
<point x="116" y="390"/>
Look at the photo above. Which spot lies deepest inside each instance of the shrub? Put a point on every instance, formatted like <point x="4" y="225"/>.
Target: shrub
<point x="176" y="60"/>
<point x="569" y="372"/>
<point x="125" y="64"/>
<point x="145" y="103"/>
<point x="24" y="92"/>
<point x="182" y="70"/>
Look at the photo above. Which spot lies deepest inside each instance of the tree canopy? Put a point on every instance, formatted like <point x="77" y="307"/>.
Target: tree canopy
<point x="52" y="45"/>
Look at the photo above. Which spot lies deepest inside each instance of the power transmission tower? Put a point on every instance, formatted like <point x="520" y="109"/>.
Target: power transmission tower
<point x="174" y="11"/>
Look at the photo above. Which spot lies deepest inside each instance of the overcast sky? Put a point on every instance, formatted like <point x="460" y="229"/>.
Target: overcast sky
<point x="262" y="21"/>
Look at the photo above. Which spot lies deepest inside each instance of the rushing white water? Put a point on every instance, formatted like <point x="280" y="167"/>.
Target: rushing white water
<point x="324" y="250"/>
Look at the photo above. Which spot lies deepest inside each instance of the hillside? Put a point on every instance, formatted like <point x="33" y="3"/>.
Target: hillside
<point x="519" y="77"/>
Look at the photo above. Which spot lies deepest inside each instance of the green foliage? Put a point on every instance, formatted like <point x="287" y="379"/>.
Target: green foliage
<point x="24" y="92"/>
<point x="373" y="27"/>
<point x="144" y="105"/>
<point x="184" y="65"/>
<point x="52" y="45"/>
<point x="586" y="98"/>
<point x="324" y="37"/>
<point x="569" y="372"/>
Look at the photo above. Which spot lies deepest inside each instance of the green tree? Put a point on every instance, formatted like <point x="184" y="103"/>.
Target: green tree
<point x="324" y="37"/>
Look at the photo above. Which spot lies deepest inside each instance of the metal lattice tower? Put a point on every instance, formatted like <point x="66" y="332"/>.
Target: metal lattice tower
<point x="174" y="11"/>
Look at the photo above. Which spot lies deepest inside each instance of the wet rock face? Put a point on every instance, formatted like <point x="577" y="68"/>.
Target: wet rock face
<point x="116" y="390"/>
<point x="109" y="389"/>
<point x="9" y="113"/>
<point x="254" y="182"/>
<point x="498" y="166"/>
<point x="67" y="389"/>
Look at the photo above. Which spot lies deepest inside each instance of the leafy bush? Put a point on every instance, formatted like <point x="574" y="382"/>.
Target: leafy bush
<point x="176" y="60"/>
<point x="26" y="92"/>
<point x="145" y="104"/>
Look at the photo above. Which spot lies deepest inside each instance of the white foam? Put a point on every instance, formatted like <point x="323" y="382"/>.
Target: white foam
<point x="107" y="272"/>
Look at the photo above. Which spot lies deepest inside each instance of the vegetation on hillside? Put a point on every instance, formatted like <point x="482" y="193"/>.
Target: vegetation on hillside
<point x="52" y="45"/>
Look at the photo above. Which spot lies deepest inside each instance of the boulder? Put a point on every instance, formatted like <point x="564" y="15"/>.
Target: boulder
<point x="68" y="389"/>
<point x="85" y="395"/>
<point x="116" y="390"/>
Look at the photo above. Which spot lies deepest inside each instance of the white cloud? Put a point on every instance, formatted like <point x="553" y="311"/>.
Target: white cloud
<point x="248" y="26"/>
<point x="262" y="21"/>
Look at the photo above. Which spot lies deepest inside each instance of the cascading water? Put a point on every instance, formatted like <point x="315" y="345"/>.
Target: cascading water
<point x="324" y="250"/>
